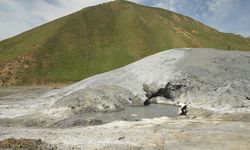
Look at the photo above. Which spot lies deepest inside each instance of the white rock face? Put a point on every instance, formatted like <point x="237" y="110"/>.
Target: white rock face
<point x="220" y="80"/>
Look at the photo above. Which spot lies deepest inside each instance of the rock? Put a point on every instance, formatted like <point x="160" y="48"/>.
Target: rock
<point x="146" y="102"/>
<point x="135" y="100"/>
<point x="120" y="138"/>
<point x="150" y="89"/>
<point x="173" y="89"/>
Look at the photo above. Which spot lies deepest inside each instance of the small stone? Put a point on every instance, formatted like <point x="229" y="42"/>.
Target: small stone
<point x="120" y="138"/>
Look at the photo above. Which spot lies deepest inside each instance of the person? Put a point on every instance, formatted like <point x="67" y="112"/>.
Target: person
<point x="182" y="109"/>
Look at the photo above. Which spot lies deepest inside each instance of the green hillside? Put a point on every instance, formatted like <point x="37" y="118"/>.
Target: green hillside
<point x="102" y="38"/>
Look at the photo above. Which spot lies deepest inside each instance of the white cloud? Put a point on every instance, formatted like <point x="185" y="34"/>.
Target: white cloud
<point x="169" y="4"/>
<point x="224" y="15"/>
<point x="220" y="9"/>
<point x="186" y="7"/>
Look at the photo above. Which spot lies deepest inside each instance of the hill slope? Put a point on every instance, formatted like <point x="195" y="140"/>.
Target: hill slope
<point x="102" y="38"/>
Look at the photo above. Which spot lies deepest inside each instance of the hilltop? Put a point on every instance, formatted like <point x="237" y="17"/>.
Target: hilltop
<point x="102" y="38"/>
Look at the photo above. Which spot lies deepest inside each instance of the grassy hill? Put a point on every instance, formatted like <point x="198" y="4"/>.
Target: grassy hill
<point x="102" y="38"/>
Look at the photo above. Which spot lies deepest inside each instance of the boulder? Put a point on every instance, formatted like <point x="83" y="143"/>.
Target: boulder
<point x="173" y="89"/>
<point x="150" y="89"/>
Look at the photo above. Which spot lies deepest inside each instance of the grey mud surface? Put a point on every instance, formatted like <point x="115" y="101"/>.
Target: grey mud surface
<point x="133" y="113"/>
<point x="106" y="111"/>
<point x="201" y="129"/>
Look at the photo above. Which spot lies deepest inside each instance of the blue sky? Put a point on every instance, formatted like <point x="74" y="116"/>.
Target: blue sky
<point x="17" y="16"/>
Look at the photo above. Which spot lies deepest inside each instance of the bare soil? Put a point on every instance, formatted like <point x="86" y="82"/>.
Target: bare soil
<point x="25" y="144"/>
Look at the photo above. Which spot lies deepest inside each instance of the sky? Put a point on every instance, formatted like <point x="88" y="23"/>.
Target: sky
<point x="17" y="16"/>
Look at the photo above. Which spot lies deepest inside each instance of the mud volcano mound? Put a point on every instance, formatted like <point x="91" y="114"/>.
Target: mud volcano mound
<point x="205" y="78"/>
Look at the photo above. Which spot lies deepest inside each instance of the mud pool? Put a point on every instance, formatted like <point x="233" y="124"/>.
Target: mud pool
<point x="137" y="113"/>
<point x="128" y="114"/>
